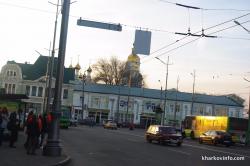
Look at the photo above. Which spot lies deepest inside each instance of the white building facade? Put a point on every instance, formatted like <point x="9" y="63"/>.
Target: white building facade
<point x="137" y="105"/>
<point x="30" y="79"/>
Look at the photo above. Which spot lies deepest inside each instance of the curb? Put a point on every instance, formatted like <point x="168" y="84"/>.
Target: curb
<point x="63" y="162"/>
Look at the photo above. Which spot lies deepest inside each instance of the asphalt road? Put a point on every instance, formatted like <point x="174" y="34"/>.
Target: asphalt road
<point x="101" y="147"/>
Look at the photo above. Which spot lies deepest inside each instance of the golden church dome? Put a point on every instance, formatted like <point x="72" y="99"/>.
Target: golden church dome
<point x="133" y="58"/>
<point x="77" y="67"/>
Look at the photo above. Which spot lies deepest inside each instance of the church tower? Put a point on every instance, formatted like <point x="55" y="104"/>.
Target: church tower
<point x="132" y="76"/>
<point x="77" y="69"/>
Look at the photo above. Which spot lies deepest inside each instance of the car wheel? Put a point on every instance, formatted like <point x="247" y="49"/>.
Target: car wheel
<point x="192" y="135"/>
<point x="160" y="142"/>
<point x="149" y="140"/>
<point x="215" y="142"/>
<point x="200" y="141"/>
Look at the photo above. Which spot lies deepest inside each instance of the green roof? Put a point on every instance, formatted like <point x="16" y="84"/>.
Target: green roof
<point x="157" y="94"/>
<point x="39" y="68"/>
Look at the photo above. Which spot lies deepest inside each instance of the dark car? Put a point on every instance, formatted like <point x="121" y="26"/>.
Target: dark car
<point x="163" y="134"/>
<point x="216" y="137"/>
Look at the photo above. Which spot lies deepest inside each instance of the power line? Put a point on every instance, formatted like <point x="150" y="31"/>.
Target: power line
<point x="200" y="8"/>
<point x="233" y="38"/>
<point x="166" y="46"/>
<point x="199" y="38"/>
<point x="25" y="7"/>
<point x="73" y="16"/>
<point x="229" y="27"/>
<point x="194" y="40"/>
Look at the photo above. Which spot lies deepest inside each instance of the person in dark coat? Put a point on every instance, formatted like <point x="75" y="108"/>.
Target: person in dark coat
<point x="13" y="127"/>
<point x="1" y="128"/>
<point x="44" y="131"/>
<point x="33" y="134"/>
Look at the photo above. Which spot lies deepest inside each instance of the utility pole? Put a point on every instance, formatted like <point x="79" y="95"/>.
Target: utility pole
<point x="161" y="100"/>
<point x="51" y="64"/>
<point x="118" y="104"/>
<point x="192" y="104"/>
<point x="83" y="85"/>
<point x="248" y="128"/>
<point x="129" y="85"/>
<point x="53" y="147"/>
<point x="161" y="92"/>
<point x="166" y="87"/>
<point x="46" y="84"/>
<point x="176" y="93"/>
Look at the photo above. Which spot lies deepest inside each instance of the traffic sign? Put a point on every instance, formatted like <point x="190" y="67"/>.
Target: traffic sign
<point x="101" y="25"/>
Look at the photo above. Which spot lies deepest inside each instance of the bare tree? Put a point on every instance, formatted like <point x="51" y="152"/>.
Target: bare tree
<point x="109" y="71"/>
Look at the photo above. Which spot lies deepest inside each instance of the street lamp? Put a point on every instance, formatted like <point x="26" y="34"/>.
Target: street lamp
<point x="118" y="104"/>
<point x="83" y="85"/>
<point x="161" y="99"/>
<point x="192" y="104"/>
<point x="161" y="90"/>
<point x="176" y="93"/>
<point x="46" y="83"/>
<point x="248" y="129"/>
<point x="51" y="61"/>
<point x="53" y="147"/>
<point x="166" y="86"/>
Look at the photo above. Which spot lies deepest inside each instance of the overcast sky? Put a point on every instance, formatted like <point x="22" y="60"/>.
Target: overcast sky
<point x="220" y="64"/>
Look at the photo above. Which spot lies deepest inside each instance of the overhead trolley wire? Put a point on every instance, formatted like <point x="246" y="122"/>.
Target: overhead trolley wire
<point x="200" y="8"/>
<point x="166" y="46"/>
<point x="199" y="38"/>
<point x="173" y="49"/>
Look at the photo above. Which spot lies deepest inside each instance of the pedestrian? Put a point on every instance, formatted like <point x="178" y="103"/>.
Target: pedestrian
<point x="44" y="131"/>
<point x="28" y="121"/>
<point x="5" y="119"/>
<point x="1" y="128"/>
<point x="40" y="125"/>
<point x="13" y="128"/>
<point x="33" y="133"/>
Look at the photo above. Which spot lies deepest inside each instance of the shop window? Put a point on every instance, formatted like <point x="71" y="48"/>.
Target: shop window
<point x="40" y="91"/>
<point x="9" y="89"/>
<point x="33" y="92"/>
<point x="13" y="88"/>
<point x="27" y="91"/>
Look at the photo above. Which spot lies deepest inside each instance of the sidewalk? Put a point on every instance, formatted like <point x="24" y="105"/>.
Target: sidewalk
<point x="18" y="157"/>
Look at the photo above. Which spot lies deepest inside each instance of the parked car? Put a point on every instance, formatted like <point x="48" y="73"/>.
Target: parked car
<point x="163" y="134"/>
<point x="216" y="137"/>
<point x="110" y="125"/>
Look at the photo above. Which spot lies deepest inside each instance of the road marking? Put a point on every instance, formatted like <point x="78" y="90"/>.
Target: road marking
<point x="233" y="148"/>
<point x="178" y="151"/>
<point x="204" y="148"/>
<point x="133" y="140"/>
<point x="128" y="134"/>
